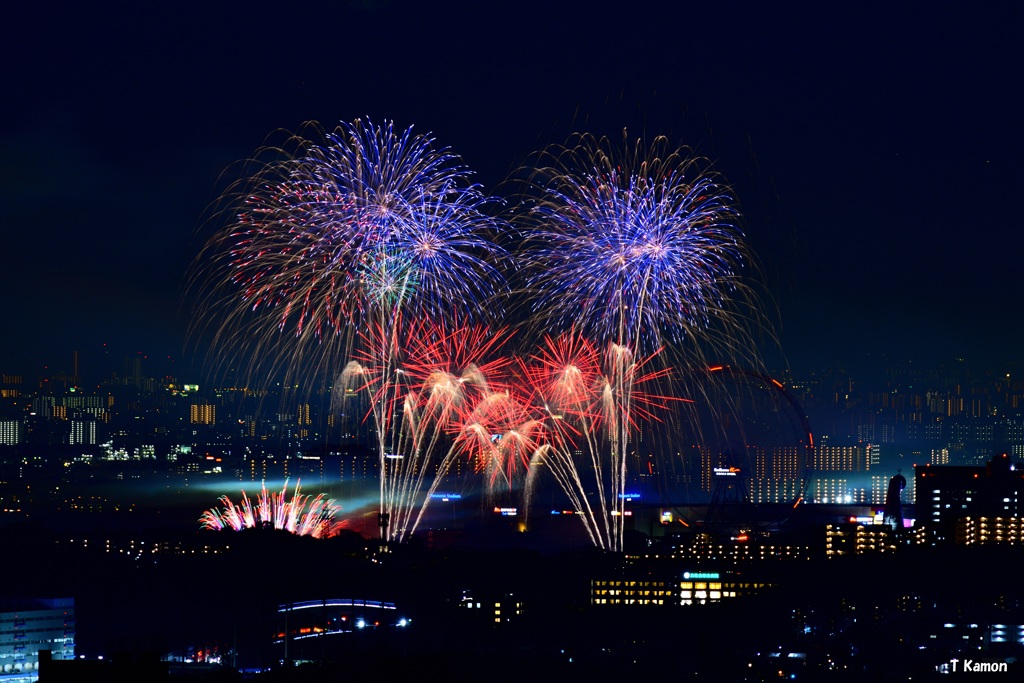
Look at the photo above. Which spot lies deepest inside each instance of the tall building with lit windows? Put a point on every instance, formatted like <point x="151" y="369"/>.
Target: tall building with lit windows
<point x="778" y="462"/>
<point x="777" y="475"/>
<point x="86" y="405"/>
<point x="203" y="414"/>
<point x="831" y="490"/>
<point x="946" y="494"/>
<point x="989" y="530"/>
<point x="775" y="490"/>
<point x="82" y="432"/>
<point x="840" y="459"/>
<point x="11" y="432"/>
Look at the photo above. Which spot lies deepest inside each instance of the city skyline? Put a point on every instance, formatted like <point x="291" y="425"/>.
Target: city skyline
<point x="840" y="494"/>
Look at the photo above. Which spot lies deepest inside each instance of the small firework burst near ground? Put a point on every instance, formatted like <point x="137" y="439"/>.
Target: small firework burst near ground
<point x="343" y="239"/>
<point x="364" y="259"/>
<point x="302" y="515"/>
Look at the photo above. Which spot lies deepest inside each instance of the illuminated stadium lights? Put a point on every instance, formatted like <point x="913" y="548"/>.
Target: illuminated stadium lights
<point x="348" y="602"/>
<point x="312" y="619"/>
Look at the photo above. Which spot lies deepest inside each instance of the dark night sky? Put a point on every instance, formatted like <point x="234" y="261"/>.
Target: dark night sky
<point x="875" y="151"/>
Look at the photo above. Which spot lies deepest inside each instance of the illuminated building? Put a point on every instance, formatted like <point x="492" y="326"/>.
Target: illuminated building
<point x="949" y="493"/>
<point x="879" y="486"/>
<point x="831" y="490"/>
<point x="840" y="459"/>
<point x="507" y="608"/>
<point x="28" y="626"/>
<point x="10" y="386"/>
<point x="203" y="414"/>
<point x="775" y="490"/>
<point x="10" y="432"/>
<point x="705" y="547"/>
<point x="780" y="462"/>
<point x="82" y="432"/>
<point x="88" y="405"/>
<point x="630" y="592"/>
<point x="777" y="475"/>
<point x="698" y="588"/>
<point x="496" y="608"/>
<point x="685" y="588"/>
<point x="987" y="530"/>
<point x="855" y="538"/>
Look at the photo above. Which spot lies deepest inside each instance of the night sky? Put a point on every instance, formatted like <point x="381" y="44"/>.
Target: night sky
<point x="875" y="151"/>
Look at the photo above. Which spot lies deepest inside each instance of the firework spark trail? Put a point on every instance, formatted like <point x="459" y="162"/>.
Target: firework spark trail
<point x="301" y="515"/>
<point x="640" y="251"/>
<point x="585" y="397"/>
<point x="640" y="247"/>
<point x="363" y="227"/>
<point x="436" y="398"/>
<point x="337" y="230"/>
<point x="337" y="245"/>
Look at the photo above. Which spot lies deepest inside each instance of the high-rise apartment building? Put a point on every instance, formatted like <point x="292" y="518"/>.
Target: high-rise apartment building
<point x="82" y="432"/>
<point x="840" y="459"/>
<point x="203" y="414"/>
<point x="947" y="493"/>
<point x="11" y="432"/>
